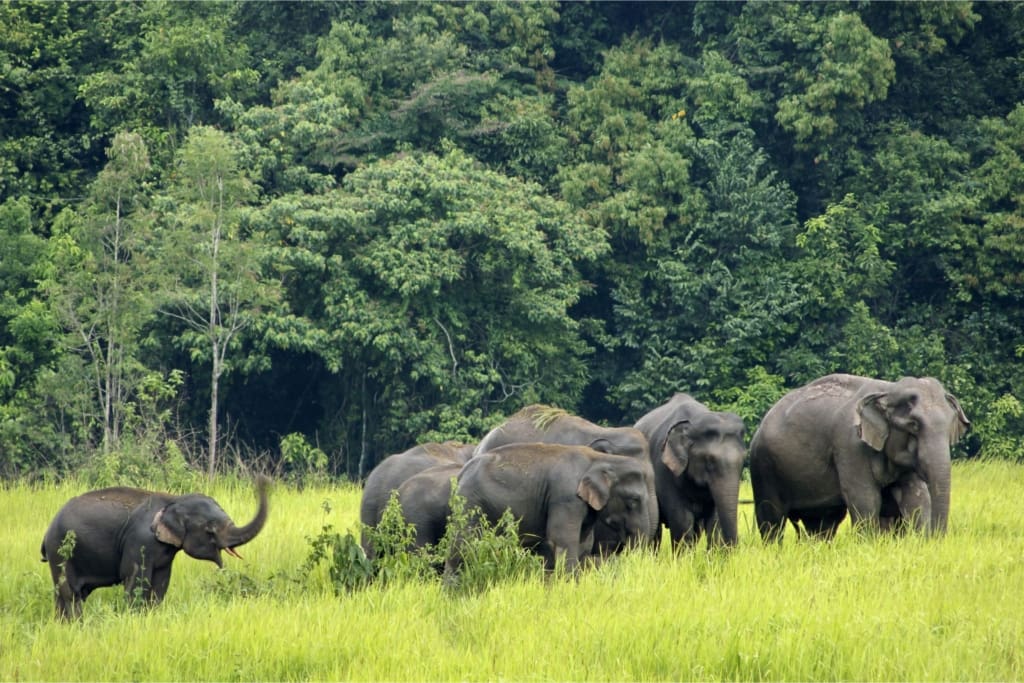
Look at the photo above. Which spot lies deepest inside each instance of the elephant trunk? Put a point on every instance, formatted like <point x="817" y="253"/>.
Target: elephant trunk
<point x="233" y="535"/>
<point x="936" y="473"/>
<point x="725" y="494"/>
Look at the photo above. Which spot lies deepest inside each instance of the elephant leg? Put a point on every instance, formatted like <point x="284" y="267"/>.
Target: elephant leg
<point x="771" y="519"/>
<point x="68" y="602"/>
<point x="822" y="524"/>
<point x="160" y="581"/>
<point x="566" y="537"/>
<point x="865" y="504"/>
<point x="682" y="527"/>
<point x="713" y="529"/>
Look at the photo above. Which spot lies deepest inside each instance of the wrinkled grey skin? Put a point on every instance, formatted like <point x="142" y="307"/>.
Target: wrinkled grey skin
<point x="697" y="455"/>
<point x="424" y="500"/>
<point x="557" y="493"/>
<point x="130" y="536"/>
<point x="393" y="470"/>
<point x="878" y="449"/>
<point x="543" y="424"/>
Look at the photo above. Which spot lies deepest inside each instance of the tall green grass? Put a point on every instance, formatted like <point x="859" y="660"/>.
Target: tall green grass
<point x="859" y="608"/>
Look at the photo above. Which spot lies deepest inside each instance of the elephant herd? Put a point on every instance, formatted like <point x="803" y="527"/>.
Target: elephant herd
<point x="876" y="450"/>
<point x="842" y="444"/>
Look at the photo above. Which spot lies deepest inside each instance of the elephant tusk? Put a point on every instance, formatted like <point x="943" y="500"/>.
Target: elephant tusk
<point x="233" y="553"/>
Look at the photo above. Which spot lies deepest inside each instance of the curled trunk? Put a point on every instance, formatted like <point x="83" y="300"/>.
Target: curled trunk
<point x="235" y="536"/>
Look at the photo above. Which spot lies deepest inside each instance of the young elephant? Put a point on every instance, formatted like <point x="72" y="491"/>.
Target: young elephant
<point x="130" y="536"/>
<point x="557" y="493"/>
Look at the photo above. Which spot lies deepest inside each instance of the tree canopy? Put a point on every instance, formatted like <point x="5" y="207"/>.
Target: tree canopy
<point x="350" y="227"/>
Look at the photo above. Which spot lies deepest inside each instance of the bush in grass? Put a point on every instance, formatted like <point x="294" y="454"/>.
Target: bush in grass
<point x="347" y="565"/>
<point x="490" y="553"/>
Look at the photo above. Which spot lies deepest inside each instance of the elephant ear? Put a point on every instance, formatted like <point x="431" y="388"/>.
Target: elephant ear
<point x="595" y="487"/>
<point x="602" y="446"/>
<point x="674" y="454"/>
<point x="959" y="426"/>
<point x="168" y="526"/>
<point x="872" y="421"/>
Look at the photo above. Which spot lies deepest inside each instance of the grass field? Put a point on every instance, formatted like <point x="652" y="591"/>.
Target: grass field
<point x="865" y="609"/>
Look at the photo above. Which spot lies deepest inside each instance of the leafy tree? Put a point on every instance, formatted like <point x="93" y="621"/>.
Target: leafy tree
<point x="93" y="282"/>
<point x="444" y="291"/>
<point x="210" y="274"/>
<point x="170" y="69"/>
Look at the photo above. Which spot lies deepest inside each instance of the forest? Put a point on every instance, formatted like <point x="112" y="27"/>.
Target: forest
<point x="301" y="236"/>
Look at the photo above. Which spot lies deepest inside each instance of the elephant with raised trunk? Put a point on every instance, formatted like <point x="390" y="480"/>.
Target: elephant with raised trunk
<point x="130" y="536"/>
<point x="545" y="424"/>
<point x="697" y="455"/>
<point x="557" y="494"/>
<point x="879" y="450"/>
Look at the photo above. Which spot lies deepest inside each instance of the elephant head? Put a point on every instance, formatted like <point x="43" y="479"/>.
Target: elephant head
<point x="196" y="524"/>
<point x="914" y="423"/>
<point x="620" y="493"/>
<point x="705" y="452"/>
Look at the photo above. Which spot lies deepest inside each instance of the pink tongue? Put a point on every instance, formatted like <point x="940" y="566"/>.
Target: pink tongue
<point x="231" y="551"/>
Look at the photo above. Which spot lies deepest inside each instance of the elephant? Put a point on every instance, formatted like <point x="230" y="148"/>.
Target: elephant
<point x="557" y="493"/>
<point x="539" y="423"/>
<point x="545" y="424"/>
<point x="697" y="455"/>
<point x="130" y="536"/>
<point x="424" y="499"/>
<point x="389" y="474"/>
<point x="877" y="449"/>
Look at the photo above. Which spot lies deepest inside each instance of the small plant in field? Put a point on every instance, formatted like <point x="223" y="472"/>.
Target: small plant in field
<point x="392" y="540"/>
<point x="305" y="462"/>
<point x="488" y="553"/>
<point x="141" y="587"/>
<point x="64" y="551"/>
<point x="347" y="564"/>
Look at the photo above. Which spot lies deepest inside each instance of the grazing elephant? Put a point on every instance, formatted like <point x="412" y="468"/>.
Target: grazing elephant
<point x="878" y="449"/>
<point x="424" y="500"/>
<point x="544" y="424"/>
<point x="395" y="469"/>
<point x="697" y="455"/>
<point x="557" y="493"/>
<point x="130" y="536"/>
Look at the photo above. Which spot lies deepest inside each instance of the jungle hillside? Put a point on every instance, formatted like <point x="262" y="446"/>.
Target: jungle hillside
<point x="300" y="236"/>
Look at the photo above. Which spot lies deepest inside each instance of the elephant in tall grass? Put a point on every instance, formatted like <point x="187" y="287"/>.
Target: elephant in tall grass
<point x="130" y="536"/>
<point x="557" y="494"/>
<point x="697" y="455"/>
<point x="395" y="469"/>
<point x="545" y="424"/>
<point x="879" y="450"/>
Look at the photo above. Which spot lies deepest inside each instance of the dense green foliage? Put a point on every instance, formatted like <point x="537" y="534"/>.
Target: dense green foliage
<point x="370" y="224"/>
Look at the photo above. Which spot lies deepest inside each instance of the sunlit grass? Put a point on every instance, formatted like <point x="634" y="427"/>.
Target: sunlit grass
<point x="859" y="608"/>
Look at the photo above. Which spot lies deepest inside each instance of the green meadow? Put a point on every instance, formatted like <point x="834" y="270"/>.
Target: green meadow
<point x="861" y="608"/>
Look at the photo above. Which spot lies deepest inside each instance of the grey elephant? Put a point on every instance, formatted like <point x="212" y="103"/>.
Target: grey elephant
<point x="697" y="455"/>
<point x="130" y="536"/>
<point x="393" y="470"/>
<point x="424" y="501"/>
<point x="539" y="423"/>
<point x="557" y="493"/>
<point x="879" y="450"/>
